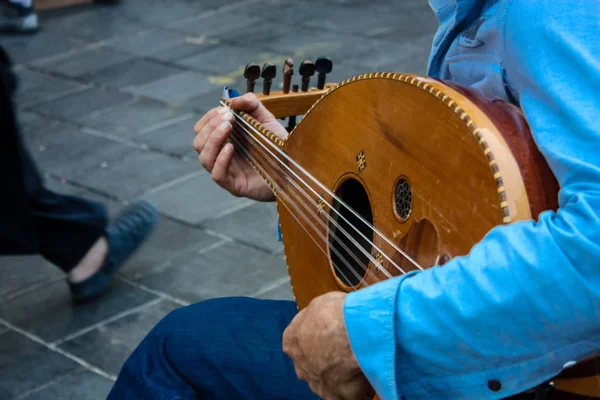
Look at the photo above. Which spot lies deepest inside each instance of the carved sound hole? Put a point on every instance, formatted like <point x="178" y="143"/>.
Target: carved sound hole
<point x="403" y="199"/>
<point x="346" y="239"/>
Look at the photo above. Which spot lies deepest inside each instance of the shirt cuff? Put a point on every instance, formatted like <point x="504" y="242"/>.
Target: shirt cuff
<point x="369" y="318"/>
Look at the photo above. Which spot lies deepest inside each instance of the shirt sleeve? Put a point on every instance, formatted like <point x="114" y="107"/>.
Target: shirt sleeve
<point x="526" y="300"/>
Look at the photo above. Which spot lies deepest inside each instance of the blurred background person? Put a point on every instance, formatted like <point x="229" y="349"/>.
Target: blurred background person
<point x="71" y="232"/>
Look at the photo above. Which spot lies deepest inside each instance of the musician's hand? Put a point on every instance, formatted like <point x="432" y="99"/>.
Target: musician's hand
<point x="318" y="344"/>
<point x="228" y="168"/>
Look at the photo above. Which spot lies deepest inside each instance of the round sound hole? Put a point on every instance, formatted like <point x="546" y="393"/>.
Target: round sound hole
<point x="403" y="199"/>
<point x="348" y="249"/>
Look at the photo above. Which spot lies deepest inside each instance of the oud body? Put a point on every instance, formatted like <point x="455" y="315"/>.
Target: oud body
<point x="432" y="167"/>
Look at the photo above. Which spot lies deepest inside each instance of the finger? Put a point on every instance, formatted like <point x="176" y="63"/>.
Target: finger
<point x="205" y="118"/>
<point x="208" y="129"/>
<point x="214" y="144"/>
<point x="300" y="373"/>
<point x="253" y="106"/>
<point x="221" y="167"/>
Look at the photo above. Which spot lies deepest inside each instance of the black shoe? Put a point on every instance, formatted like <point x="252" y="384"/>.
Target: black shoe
<point x="124" y="235"/>
<point x="14" y="18"/>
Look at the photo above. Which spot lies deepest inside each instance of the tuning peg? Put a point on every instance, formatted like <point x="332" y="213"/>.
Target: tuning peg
<point x="323" y="65"/>
<point x="307" y="69"/>
<point x="288" y="71"/>
<point x="251" y="73"/>
<point x="269" y="72"/>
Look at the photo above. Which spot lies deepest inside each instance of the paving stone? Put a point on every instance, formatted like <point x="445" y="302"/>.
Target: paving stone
<point x="190" y="46"/>
<point x="170" y="240"/>
<point x="135" y="173"/>
<point x="84" y="385"/>
<point x="147" y="42"/>
<point x="175" y="138"/>
<point x="381" y="19"/>
<point x="85" y="62"/>
<point x="51" y="315"/>
<point x="210" y="25"/>
<point x="133" y="118"/>
<point x="25" y="49"/>
<point x="25" y="365"/>
<point x="19" y="273"/>
<point x="229" y="270"/>
<point x="256" y="225"/>
<point x="285" y="11"/>
<point x="179" y="88"/>
<point x="368" y="52"/>
<point x="36" y="87"/>
<point x="281" y="292"/>
<point x="228" y="59"/>
<point x="133" y="73"/>
<point x="80" y="105"/>
<point x="260" y="35"/>
<point x="109" y="346"/>
<point x="69" y="149"/>
<point x="107" y="166"/>
<point x="89" y="23"/>
<point x="195" y="200"/>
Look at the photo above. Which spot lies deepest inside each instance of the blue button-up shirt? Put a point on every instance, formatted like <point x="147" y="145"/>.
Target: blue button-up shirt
<point x="526" y="300"/>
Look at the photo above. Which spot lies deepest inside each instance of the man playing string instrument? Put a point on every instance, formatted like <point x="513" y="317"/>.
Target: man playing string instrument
<point x="520" y="307"/>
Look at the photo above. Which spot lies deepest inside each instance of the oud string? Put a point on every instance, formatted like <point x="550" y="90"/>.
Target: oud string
<point x="331" y="220"/>
<point x="333" y="195"/>
<point x="340" y="201"/>
<point x="288" y="200"/>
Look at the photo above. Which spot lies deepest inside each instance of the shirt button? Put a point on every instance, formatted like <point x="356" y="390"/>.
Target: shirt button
<point x="494" y="385"/>
<point x="569" y="364"/>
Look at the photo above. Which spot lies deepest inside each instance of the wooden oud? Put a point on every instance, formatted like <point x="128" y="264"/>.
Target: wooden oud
<point x="432" y="166"/>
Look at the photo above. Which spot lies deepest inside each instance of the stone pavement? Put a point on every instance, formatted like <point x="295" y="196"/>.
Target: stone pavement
<point x="108" y="100"/>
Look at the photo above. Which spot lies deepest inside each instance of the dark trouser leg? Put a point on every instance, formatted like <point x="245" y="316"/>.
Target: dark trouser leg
<point x="226" y="348"/>
<point x="33" y="219"/>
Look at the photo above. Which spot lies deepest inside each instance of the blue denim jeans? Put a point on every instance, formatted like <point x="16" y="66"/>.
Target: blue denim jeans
<point x="227" y="348"/>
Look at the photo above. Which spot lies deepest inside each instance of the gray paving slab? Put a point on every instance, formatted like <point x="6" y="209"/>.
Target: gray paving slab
<point x="25" y="365"/>
<point x="170" y="240"/>
<point x="133" y="72"/>
<point x="90" y="23"/>
<point x="210" y="25"/>
<point x="196" y="200"/>
<point x="37" y="87"/>
<point x="255" y="225"/>
<point x="229" y="270"/>
<point x="51" y="315"/>
<point x="109" y="346"/>
<point x="147" y="41"/>
<point x="80" y="105"/>
<point x="178" y="88"/>
<point x="84" y="385"/>
<point x="134" y="118"/>
<point x="227" y="59"/>
<point x="20" y="273"/>
<point x="191" y="45"/>
<point x="281" y="292"/>
<point x="105" y="165"/>
<point x="25" y="49"/>
<point x="85" y="62"/>
<point x="174" y="138"/>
